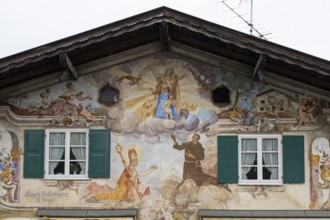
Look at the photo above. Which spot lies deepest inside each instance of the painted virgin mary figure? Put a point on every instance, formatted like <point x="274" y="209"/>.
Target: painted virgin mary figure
<point x="166" y="103"/>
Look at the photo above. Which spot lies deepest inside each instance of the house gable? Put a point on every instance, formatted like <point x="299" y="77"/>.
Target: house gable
<point x="160" y="142"/>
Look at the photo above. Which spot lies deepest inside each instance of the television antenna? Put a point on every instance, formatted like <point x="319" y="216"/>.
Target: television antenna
<point x="249" y="23"/>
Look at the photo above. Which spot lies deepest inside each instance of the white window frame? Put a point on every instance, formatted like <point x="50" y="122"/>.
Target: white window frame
<point x="67" y="174"/>
<point x="260" y="181"/>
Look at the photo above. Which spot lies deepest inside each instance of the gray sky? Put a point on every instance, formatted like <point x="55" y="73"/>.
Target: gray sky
<point x="297" y="24"/>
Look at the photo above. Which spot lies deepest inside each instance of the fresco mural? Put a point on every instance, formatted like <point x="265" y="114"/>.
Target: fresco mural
<point x="163" y="88"/>
<point x="59" y="101"/>
<point x="262" y="112"/>
<point x="163" y="138"/>
<point x="310" y="111"/>
<point x="10" y="167"/>
<point x="165" y="188"/>
<point x="129" y="185"/>
<point x="320" y="174"/>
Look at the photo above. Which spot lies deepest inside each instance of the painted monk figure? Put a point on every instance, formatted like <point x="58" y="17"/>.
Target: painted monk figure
<point x="192" y="167"/>
<point x="194" y="154"/>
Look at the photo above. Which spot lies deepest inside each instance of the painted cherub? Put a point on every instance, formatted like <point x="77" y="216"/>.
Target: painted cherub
<point x="44" y="99"/>
<point x="305" y="113"/>
<point x="167" y="108"/>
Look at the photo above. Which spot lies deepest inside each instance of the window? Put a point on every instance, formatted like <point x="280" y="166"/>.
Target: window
<point x="261" y="159"/>
<point x="67" y="153"/>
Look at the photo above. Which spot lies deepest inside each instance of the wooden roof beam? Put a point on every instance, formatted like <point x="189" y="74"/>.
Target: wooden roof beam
<point x="66" y="63"/>
<point x="259" y="66"/>
<point x="164" y="34"/>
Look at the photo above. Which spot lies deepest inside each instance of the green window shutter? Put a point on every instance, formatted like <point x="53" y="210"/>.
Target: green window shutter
<point x="293" y="159"/>
<point x="99" y="153"/>
<point x="227" y="159"/>
<point x="34" y="148"/>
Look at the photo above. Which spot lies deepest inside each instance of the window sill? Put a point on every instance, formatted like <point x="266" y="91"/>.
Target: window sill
<point x="259" y="184"/>
<point x="59" y="178"/>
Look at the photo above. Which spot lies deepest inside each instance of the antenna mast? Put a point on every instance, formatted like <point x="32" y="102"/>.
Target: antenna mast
<point x="251" y="14"/>
<point x="250" y="24"/>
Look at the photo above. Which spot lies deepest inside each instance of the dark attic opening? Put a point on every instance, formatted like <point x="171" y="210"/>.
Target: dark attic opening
<point x="108" y="95"/>
<point x="221" y="96"/>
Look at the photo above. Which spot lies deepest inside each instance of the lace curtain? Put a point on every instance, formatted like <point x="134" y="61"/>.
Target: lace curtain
<point x="56" y="150"/>
<point x="270" y="156"/>
<point x="249" y="156"/>
<point x="78" y="148"/>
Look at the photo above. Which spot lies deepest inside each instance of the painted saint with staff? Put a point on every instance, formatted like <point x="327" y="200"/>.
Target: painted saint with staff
<point x="129" y="187"/>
